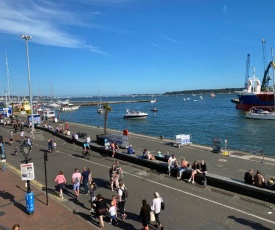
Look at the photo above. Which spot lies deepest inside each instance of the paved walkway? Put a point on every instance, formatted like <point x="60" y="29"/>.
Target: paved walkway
<point x="13" y="208"/>
<point x="233" y="166"/>
<point x="57" y="216"/>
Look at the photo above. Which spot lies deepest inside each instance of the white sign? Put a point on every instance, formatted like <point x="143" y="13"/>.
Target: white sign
<point x="27" y="171"/>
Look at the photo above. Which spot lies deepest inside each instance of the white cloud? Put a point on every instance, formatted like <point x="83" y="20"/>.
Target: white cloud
<point x="48" y="22"/>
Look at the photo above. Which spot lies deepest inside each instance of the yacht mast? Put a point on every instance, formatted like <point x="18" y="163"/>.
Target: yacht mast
<point x="8" y="80"/>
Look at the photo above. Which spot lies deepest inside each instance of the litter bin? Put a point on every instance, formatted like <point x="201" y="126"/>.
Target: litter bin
<point x="217" y="145"/>
<point x="29" y="202"/>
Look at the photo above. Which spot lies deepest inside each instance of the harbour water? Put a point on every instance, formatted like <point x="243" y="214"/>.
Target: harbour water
<point x="204" y="119"/>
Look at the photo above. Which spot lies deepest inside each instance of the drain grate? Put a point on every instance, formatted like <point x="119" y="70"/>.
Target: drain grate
<point x="2" y="213"/>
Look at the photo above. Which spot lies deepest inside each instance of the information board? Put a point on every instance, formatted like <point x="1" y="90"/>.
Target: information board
<point x="27" y="171"/>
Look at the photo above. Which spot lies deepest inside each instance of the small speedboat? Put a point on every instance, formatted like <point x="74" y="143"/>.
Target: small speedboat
<point x="154" y="109"/>
<point x="135" y="114"/>
<point x="260" y="114"/>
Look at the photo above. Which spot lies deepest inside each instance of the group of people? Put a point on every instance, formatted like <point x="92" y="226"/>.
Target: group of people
<point x="117" y="205"/>
<point x="259" y="180"/>
<point x="196" y="168"/>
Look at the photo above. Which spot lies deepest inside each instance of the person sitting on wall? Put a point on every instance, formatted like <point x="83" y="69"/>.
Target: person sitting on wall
<point x="144" y="153"/>
<point x="167" y="155"/>
<point x="203" y="167"/>
<point x="149" y="156"/>
<point x="271" y="183"/>
<point x="259" y="179"/>
<point x="248" y="177"/>
<point x="74" y="138"/>
<point x="183" y="168"/>
<point x="130" y="150"/>
<point x="159" y="154"/>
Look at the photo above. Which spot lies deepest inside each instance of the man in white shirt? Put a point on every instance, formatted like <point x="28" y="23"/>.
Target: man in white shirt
<point x="171" y="161"/>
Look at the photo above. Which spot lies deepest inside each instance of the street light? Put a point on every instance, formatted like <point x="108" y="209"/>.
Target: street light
<point x="28" y="37"/>
<point x="29" y="196"/>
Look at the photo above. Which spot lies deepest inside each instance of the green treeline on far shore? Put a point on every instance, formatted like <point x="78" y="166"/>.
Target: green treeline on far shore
<point x="204" y="91"/>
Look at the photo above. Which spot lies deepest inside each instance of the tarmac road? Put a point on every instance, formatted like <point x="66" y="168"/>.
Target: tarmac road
<point x="187" y="205"/>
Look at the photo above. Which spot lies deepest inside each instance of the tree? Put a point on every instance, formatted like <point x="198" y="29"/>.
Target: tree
<point x="107" y="109"/>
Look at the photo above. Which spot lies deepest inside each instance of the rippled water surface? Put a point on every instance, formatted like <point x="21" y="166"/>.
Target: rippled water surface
<point x="203" y="118"/>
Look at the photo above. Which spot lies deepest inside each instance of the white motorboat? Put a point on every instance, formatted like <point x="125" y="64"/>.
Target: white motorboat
<point x="49" y="113"/>
<point x="69" y="107"/>
<point x="260" y="114"/>
<point x="54" y="105"/>
<point x="135" y="114"/>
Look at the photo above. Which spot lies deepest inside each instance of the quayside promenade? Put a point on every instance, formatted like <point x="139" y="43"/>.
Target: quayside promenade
<point x="191" y="205"/>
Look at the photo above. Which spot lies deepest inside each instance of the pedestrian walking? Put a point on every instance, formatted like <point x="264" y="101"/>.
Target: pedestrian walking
<point x="22" y="138"/>
<point x="119" y="170"/>
<point x="84" y="179"/>
<point x="113" y="213"/>
<point x="122" y="195"/>
<point x="15" y="126"/>
<point x="93" y="188"/>
<point x="156" y="208"/>
<point x="11" y="137"/>
<point x="50" y="145"/>
<point x="144" y="215"/>
<point x="20" y="126"/>
<point x="54" y="146"/>
<point x="90" y="178"/>
<point x="61" y="181"/>
<point x="100" y="208"/>
<point x="113" y="177"/>
<point x="76" y="177"/>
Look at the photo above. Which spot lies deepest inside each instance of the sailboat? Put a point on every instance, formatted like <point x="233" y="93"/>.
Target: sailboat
<point x="153" y="100"/>
<point x="100" y="108"/>
<point x="258" y="112"/>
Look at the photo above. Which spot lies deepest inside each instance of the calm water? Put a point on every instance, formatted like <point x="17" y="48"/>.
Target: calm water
<point x="204" y="119"/>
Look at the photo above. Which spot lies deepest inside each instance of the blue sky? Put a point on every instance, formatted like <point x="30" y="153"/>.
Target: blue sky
<point x="132" y="46"/>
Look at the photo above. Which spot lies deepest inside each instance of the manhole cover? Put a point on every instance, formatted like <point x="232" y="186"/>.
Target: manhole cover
<point x="2" y="213"/>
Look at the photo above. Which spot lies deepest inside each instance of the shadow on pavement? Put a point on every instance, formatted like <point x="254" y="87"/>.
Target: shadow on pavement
<point x="8" y="196"/>
<point x="252" y="224"/>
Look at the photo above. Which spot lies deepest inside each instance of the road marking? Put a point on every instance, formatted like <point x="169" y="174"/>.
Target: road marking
<point x="200" y="197"/>
<point x="162" y="185"/>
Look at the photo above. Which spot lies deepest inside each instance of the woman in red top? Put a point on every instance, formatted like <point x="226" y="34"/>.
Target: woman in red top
<point x="61" y="180"/>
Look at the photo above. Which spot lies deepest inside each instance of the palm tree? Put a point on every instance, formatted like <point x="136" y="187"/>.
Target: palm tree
<point x="107" y="109"/>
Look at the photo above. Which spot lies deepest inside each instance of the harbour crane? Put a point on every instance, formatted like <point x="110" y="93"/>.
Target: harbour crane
<point x="266" y="77"/>
<point x="247" y="70"/>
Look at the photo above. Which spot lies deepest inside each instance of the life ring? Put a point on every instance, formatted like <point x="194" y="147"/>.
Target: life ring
<point x="125" y="132"/>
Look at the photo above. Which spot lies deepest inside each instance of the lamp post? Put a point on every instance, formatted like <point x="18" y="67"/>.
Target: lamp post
<point x="29" y="196"/>
<point x="28" y="37"/>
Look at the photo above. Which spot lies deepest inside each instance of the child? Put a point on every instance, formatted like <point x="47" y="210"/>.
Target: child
<point x="92" y="194"/>
<point x="114" y="200"/>
<point x="113" y="213"/>
<point x="54" y="146"/>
